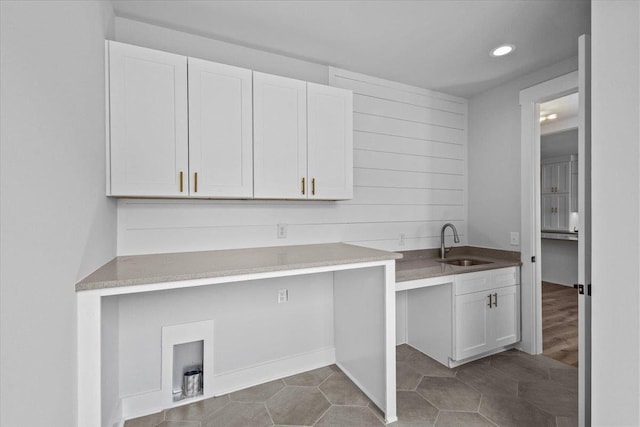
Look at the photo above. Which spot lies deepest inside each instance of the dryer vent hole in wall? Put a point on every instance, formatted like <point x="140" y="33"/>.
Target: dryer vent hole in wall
<point x="187" y="370"/>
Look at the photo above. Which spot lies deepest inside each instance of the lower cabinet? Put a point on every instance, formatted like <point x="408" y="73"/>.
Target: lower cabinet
<point x="483" y="309"/>
<point x="486" y="320"/>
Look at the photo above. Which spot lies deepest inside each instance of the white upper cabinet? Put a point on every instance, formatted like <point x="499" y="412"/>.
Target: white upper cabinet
<point x="280" y="137"/>
<point x="330" y="142"/>
<point x="220" y="130"/>
<point x="148" y="122"/>
<point x="185" y="127"/>
<point x="556" y="177"/>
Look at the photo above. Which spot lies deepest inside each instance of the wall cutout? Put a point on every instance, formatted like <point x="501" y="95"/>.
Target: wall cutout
<point x="186" y="348"/>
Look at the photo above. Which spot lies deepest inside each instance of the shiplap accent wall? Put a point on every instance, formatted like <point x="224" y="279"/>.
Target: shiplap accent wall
<point x="410" y="177"/>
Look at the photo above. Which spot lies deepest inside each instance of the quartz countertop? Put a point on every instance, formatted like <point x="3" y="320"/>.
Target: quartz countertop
<point x="424" y="264"/>
<point x="159" y="268"/>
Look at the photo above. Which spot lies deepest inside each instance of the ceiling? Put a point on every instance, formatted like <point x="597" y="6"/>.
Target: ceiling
<point x="565" y="107"/>
<point x="436" y="44"/>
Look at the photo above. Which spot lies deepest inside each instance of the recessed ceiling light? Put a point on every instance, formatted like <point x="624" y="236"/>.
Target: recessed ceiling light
<point x="552" y="116"/>
<point x="503" y="50"/>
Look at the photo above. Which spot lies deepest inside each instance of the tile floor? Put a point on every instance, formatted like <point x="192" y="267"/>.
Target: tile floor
<point x="508" y="389"/>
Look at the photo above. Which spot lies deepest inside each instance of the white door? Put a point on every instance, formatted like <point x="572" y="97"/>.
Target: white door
<point x="220" y="130"/>
<point x="505" y="316"/>
<point x="279" y="137"/>
<point x="148" y="134"/>
<point x="472" y="324"/>
<point x="329" y="142"/>
<point x="584" y="238"/>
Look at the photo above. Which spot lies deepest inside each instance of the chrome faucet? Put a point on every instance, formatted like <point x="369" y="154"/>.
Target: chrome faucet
<point x="456" y="239"/>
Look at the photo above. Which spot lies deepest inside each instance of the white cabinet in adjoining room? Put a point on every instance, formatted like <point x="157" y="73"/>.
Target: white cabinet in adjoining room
<point x="280" y="137"/>
<point x="148" y="150"/>
<point x="220" y="130"/>
<point x="555" y="212"/>
<point x="556" y="177"/>
<point x="329" y="142"/>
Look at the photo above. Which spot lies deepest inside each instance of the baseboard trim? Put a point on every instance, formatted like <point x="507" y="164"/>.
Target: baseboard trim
<point x="229" y="382"/>
<point x="149" y="403"/>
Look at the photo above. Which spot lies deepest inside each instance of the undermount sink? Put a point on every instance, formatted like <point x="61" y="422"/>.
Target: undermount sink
<point x="464" y="262"/>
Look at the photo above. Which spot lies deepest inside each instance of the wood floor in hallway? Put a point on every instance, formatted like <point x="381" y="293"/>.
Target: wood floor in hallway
<point x="560" y="322"/>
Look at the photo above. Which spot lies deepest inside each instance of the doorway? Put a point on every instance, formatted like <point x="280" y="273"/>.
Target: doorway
<point x="559" y="216"/>
<point x="531" y="100"/>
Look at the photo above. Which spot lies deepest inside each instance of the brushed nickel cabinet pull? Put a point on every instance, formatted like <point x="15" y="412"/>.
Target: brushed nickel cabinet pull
<point x="181" y="182"/>
<point x="195" y="182"/>
<point x="495" y="299"/>
<point x="313" y="186"/>
<point x="490" y="306"/>
<point x="303" y="186"/>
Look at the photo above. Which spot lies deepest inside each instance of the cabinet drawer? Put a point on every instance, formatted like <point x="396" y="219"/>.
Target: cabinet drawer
<point x="505" y="277"/>
<point x="473" y="282"/>
<point x="484" y="280"/>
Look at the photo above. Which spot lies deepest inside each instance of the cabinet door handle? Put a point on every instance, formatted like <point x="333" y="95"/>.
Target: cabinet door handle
<point x="490" y="306"/>
<point x="303" y="185"/>
<point x="195" y="182"/>
<point x="181" y="181"/>
<point x="313" y="186"/>
<point x="495" y="299"/>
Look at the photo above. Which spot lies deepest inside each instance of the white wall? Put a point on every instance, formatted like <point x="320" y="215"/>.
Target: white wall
<point x="156" y="37"/>
<point x="494" y="158"/>
<point x="616" y="212"/>
<point x="563" y="143"/>
<point x="251" y="328"/>
<point x="559" y="261"/>
<point x="57" y="225"/>
<point x="409" y="169"/>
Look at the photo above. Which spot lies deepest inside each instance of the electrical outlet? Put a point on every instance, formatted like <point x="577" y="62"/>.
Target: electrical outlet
<point x="515" y="238"/>
<point x="283" y="296"/>
<point x="401" y="239"/>
<point x="282" y="231"/>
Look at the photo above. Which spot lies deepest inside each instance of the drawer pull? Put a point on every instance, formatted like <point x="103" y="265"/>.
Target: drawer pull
<point x="490" y="306"/>
<point x="495" y="299"/>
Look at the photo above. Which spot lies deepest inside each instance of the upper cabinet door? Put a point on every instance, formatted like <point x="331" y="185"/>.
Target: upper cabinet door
<point x="148" y="118"/>
<point x="220" y="130"/>
<point x="330" y="142"/>
<point x="280" y="137"/>
<point x="547" y="178"/>
<point x="564" y="177"/>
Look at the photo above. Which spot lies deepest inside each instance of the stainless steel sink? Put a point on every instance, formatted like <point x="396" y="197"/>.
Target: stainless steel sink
<point x="464" y="262"/>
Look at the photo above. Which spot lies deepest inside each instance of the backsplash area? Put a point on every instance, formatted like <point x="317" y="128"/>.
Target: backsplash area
<point x="410" y="177"/>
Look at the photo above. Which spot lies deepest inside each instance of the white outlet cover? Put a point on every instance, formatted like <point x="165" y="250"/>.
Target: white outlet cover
<point x="515" y="238"/>
<point x="282" y="231"/>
